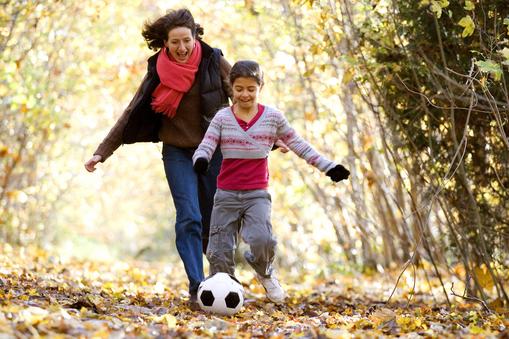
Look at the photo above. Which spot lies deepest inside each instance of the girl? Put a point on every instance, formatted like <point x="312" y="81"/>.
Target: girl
<point x="246" y="133"/>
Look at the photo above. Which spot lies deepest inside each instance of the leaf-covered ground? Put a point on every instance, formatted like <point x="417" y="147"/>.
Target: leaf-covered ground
<point x="42" y="296"/>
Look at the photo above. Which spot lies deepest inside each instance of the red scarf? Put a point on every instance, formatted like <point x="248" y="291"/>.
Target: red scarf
<point x="176" y="80"/>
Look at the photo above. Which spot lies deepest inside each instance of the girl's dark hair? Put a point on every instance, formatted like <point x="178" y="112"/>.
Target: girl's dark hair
<point x="156" y="33"/>
<point x="246" y="69"/>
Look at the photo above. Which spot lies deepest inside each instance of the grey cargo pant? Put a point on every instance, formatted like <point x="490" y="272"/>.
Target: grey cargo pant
<point x="246" y="213"/>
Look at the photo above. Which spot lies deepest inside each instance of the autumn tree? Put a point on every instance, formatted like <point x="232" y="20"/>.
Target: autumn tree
<point x="435" y="75"/>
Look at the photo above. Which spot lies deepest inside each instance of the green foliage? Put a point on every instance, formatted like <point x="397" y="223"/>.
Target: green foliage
<point x="442" y="82"/>
<point x="492" y="67"/>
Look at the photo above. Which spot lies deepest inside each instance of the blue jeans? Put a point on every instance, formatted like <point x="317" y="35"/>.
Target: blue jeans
<point x="193" y="196"/>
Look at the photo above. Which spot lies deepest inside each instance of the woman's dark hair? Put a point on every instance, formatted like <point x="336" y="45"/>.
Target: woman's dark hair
<point x="246" y="69"/>
<point x="156" y="33"/>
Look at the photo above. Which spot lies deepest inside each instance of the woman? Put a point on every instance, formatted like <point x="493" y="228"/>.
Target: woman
<point x="185" y="85"/>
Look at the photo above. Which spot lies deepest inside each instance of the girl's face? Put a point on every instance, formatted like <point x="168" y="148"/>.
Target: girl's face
<point x="245" y="92"/>
<point x="180" y="43"/>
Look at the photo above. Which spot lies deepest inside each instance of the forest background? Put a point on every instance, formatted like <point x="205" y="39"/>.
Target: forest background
<point x="411" y="96"/>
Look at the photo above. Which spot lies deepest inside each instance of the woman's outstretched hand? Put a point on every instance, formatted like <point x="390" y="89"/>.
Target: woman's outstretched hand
<point x="338" y="173"/>
<point x="90" y="164"/>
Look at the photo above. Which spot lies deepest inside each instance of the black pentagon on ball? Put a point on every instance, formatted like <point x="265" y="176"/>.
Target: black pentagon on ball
<point x="207" y="298"/>
<point x="232" y="300"/>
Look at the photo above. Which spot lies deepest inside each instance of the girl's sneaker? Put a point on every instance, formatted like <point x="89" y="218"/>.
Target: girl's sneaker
<point x="273" y="289"/>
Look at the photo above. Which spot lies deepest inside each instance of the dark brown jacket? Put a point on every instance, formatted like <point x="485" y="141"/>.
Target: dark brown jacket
<point x="139" y="123"/>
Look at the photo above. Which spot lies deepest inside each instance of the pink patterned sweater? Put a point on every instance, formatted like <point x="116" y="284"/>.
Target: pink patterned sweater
<point x="257" y="141"/>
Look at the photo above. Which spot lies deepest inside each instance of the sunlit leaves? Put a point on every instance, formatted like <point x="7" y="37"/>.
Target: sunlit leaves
<point x="43" y="295"/>
<point x="431" y="57"/>
<point x="437" y="6"/>
<point x="348" y="75"/>
<point x="484" y="277"/>
<point x="505" y="54"/>
<point x="54" y="59"/>
<point x="383" y="315"/>
<point x="166" y="319"/>
<point x="469" y="5"/>
<point x="410" y="323"/>
<point x="468" y="26"/>
<point x="490" y="66"/>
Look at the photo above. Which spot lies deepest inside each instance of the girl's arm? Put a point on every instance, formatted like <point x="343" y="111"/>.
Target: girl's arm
<point x="304" y="150"/>
<point x="210" y="141"/>
<point x="301" y="147"/>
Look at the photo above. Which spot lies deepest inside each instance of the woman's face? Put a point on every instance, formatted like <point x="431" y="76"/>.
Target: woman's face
<point x="180" y="43"/>
<point x="245" y="92"/>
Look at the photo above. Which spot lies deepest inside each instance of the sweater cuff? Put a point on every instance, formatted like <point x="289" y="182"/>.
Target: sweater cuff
<point x="329" y="167"/>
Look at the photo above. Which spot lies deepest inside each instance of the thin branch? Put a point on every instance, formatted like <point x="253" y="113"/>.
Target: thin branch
<point x="469" y="298"/>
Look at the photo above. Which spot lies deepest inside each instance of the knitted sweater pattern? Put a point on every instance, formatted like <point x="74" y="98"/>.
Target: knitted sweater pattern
<point x="258" y="140"/>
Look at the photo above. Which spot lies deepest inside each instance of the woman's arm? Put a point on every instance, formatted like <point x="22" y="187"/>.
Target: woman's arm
<point x="114" y="138"/>
<point x="224" y="70"/>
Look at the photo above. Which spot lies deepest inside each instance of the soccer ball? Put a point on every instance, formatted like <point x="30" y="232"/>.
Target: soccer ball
<point x="221" y="294"/>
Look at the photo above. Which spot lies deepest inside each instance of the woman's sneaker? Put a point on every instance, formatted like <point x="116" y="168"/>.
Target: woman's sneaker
<point x="273" y="289"/>
<point x="193" y="302"/>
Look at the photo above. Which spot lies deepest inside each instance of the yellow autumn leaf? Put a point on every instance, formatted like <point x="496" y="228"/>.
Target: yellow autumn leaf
<point x="348" y="75"/>
<point x="469" y="5"/>
<point x="459" y="270"/>
<point x="309" y="116"/>
<point x="505" y="53"/>
<point x="443" y="3"/>
<point x="167" y="319"/>
<point x="4" y="150"/>
<point x="502" y="310"/>
<point x="363" y="324"/>
<point x="170" y="320"/>
<point x="33" y="315"/>
<point x="436" y="8"/>
<point x="19" y="196"/>
<point x="382" y="315"/>
<point x="483" y="277"/>
<point x="468" y="26"/>
<point x="309" y="72"/>
<point x="315" y="49"/>
<point x="3" y="90"/>
<point x="476" y="330"/>
<point x="103" y="333"/>
<point x="497" y="305"/>
<point x="410" y="323"/>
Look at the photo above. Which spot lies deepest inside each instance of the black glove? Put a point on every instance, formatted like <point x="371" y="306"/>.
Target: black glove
<point x="338" y="173"/>
<point x="201" y="165"/>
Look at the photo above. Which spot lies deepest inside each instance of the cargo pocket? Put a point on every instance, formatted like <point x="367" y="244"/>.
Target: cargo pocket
<point x="220" y="252"/>
<point x="215" y="239"/>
